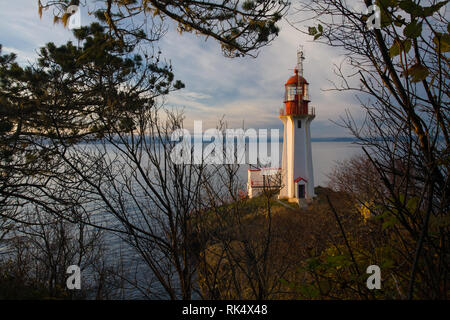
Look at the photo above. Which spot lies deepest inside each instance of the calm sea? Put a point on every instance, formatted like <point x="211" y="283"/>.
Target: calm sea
<point x="325" y="155"/>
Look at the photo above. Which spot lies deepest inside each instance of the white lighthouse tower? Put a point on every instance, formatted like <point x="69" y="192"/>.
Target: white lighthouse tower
<point x="296" y="115"/>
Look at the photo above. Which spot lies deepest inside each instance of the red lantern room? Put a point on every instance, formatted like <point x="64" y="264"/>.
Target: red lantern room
<point x="296" y="95"/>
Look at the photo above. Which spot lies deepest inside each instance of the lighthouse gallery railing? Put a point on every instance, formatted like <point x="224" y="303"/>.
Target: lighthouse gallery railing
<point x="310" y="111"/>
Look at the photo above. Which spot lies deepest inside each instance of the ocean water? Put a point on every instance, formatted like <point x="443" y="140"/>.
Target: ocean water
<point x="325" y="155"/>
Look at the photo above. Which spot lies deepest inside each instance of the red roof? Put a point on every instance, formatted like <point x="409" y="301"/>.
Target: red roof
<point x="300" y="178"/>
<point x="293" y="80"/>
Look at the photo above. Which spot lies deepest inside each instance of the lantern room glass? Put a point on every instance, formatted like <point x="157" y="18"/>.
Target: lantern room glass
<point x="291" y="91"/>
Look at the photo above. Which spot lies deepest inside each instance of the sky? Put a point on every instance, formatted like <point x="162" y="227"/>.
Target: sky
<point x="242" y="90"/>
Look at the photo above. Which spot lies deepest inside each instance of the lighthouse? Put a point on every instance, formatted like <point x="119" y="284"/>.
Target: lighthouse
<point x="297" y="178"/>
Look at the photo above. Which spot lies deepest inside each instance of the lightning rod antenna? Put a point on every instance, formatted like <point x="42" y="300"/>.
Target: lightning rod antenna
<point x="300" y="58"/>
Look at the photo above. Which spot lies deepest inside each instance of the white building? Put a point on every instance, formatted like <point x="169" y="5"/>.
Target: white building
<point x="297" y="178"/>
<point x="263" y="179"/>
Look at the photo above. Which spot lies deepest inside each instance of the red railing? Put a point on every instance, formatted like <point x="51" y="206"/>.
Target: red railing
<point x="298" y="111"/>
<point x="262" y="184"/>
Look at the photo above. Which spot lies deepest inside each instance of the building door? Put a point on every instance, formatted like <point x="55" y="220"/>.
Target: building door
<point x="301" y="191"/>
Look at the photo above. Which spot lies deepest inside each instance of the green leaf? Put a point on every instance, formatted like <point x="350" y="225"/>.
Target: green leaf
<point x="288" y="283"/>
<point x="442" y="42"/>
<point x="418" y="72"/>
<point x="248" y="5"/>
<point x="412" y="203"/>
<point x="395" y="49"/>
<point x="309" y="291"/>
<point x="317" y="36"/>
<point x="386" y="3"/>
<point x="399" y="46"/>
<point x="386" y="16"/>
<point x="312" y="31"/>
<point x="337" y="260"/>
<point x="320" y="28"/>
<point x="413" y="30"/>
<point x="387" y="263"/>
<point x="429" y="11"/>
<point x="407" y="45"/>
<point x="411" y="7"/>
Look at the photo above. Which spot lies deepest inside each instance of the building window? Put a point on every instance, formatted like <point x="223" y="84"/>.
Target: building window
<point x="299" y="123"/>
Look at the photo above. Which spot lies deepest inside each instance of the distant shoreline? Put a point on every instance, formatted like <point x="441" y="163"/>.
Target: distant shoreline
<point x="334" y="139"/>
<point x="247" y="140"/>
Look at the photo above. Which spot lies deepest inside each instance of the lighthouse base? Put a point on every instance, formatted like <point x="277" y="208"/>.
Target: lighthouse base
<point x="300" y="189"/>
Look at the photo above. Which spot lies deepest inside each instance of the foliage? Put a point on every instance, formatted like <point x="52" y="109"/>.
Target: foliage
<point x="400" y="72"/>
<point x="241" y="27"/>
<point x="73" y="94"/>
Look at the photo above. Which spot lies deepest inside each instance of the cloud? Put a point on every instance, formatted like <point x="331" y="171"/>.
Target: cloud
<point x="23" y="57"/>
<point x="249" y="89"/>
<point x="24" y="32"/>
<point x="252" y="89"/>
